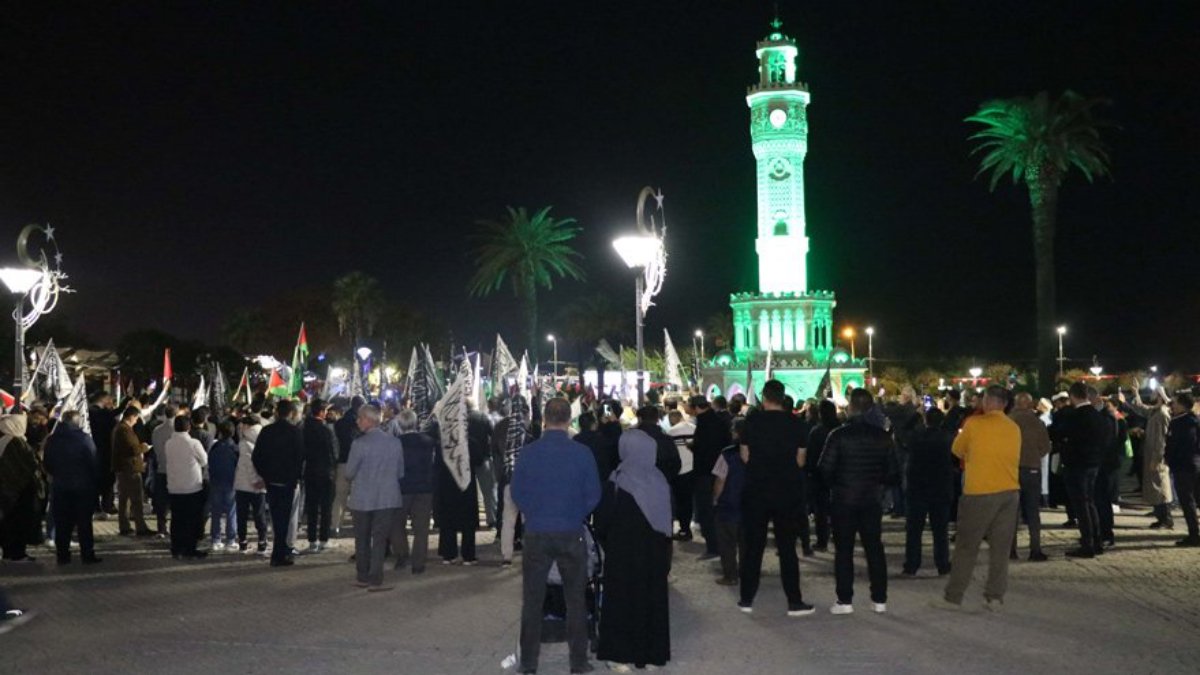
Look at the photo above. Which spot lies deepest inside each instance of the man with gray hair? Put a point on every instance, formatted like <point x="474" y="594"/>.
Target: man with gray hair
<point x="416" y="490"/>
<point x="374" y="468"/>
<point x="1035" y="444"/>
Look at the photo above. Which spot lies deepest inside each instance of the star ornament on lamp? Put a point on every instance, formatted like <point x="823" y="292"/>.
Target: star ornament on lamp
<point x="35" y="286"/>
<point x="645" y="250"/>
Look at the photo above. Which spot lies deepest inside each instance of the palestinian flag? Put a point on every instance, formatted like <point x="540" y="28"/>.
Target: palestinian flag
<point x="276" y="385"/>
<point x="7" y="399"/>
<point x="299" y="362"/>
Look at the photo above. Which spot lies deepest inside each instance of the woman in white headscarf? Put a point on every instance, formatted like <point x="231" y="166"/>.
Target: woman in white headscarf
<point x="633" y="524"/>
<point x="19" y="488"/>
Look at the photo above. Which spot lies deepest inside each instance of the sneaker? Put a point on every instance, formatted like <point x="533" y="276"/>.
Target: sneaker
<point x="322" y="545"/>
<point x="995" y="605"/>
<point x="14" y="618"/>
<point x="619" y="667"/>
<point x="839" y="608"/>
<point x="262" y="548"/>
<point x="1163" y="525"/>
<point x="448" y="561"/>
<point x="585" y="668"/>
<point x="379" y="589"/>
<point x="470" y="563"/>
<point x="218" y="547"/>
<point x="800" y="609"/>
<point x="1188" y="542"/>
<point x="506" y="563"/>
<point x="312" y="548"/>
<point x="745" y="607"/>
<point x="1037" y="556"/>
<point x="879" y="607"/>
<point x="683" y="535"/>
<point x="25" y="559"/>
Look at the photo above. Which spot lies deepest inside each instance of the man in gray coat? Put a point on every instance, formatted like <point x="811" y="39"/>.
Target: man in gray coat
<point x="374" y="469"/>
<point x="1156" y="478"/>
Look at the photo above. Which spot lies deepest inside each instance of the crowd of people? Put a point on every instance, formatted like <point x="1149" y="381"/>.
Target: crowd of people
<point x="812" y="474"/>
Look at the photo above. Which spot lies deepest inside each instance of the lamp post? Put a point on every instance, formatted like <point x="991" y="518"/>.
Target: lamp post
<point x="1061" y="330"/>
<point x="1096" y="368"/>
<point x="35" y="287"/>
<point x="554" y="364"/>
<point x="644" y="252"/>
<point x="848" y="333"/>
<point x="871" y="353"/>
<point x="698" y="351"/>
<point x="975" y="372"/>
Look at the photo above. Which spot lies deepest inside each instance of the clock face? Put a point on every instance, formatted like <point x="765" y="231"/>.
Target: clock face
<point x="781" y="169"/>
<point x="778" y="118"/>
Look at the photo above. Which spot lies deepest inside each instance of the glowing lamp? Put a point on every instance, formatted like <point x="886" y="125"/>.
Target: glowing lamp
<point x="1096" y="370"/>
<point x="364" y="353"/>
<point x="1062" y="330"/>
<point x="976" y="372"/>
<point x="637" y="251"/>
<point x="19" y="279"/>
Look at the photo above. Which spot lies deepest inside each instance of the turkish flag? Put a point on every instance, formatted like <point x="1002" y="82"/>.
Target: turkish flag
<point x="167" y="366"/>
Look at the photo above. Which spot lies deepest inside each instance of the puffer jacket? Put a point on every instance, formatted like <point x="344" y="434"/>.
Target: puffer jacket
<point x="246" y="477"/>
<point x="858" y="461"/>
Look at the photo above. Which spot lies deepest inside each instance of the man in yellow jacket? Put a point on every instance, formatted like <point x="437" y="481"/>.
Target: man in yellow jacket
<point x="989" y="446"/>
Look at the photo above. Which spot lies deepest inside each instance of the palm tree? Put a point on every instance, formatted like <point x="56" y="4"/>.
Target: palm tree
<point x="528" y="251"/>
<point x="243" y="330"/>
<point x="1037" y="141"/>
<point x="357" y="302"/>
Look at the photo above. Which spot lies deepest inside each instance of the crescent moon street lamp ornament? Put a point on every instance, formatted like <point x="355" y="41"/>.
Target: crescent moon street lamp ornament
<point x="36" y="285"/>
<point x="645" y="252"/>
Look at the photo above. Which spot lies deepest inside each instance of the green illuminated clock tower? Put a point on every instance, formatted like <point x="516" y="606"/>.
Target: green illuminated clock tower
<point x="784" y="317"/>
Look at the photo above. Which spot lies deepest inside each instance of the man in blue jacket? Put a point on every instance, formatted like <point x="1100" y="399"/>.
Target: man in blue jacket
<point x="70" y="459"/>
<point x="556" y="486"/>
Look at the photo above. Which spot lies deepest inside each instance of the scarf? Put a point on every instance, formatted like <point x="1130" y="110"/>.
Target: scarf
<point x="638" y="476"/>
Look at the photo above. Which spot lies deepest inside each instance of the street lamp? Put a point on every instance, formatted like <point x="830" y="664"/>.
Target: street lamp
<point x="554" y="363"/>
<point x="698" y="350"/>
<point x="364" y="353"/>
<point x="848" y="333"/>
<point x="1062" y="330"/>
<point x="1096" y="368"/>
<point x="976" y="372"/>
<point x="871" y="352"/>
<point x="644" y="252"/>
<point x="35" y="287"/>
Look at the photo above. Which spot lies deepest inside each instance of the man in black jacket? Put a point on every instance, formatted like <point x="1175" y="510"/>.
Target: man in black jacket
<point x="278" y="458"/>
<point x="1084" y="434"/>
<point x="70" y="459"/>
<point x="858" y="462"/>
<point x="1183" y="458"/>
<point x="712" y="435"/>
<point x="103" y="420"/>
<point x="667" y="457"/>
<point x="346" y="430"/>
<point x="320" y="464"/>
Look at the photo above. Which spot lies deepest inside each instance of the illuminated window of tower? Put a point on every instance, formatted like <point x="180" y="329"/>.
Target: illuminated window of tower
<point x="776" y="69"/>
<point x="781" y="229"/>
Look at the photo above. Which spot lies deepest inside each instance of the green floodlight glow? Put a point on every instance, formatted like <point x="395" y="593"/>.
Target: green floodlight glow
<point x="840" y="357"/>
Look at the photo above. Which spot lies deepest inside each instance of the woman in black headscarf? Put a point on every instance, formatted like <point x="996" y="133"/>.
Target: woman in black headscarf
<point x="633" y="524"/>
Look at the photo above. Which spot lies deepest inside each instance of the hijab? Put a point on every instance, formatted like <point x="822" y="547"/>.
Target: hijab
<point x="638" y="476"/>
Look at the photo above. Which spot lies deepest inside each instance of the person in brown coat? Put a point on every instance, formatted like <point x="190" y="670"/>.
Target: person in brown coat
<point x="128" y="461"/>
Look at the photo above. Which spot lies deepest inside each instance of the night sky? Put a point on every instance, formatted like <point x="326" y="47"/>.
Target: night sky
<point x="197" y="159"/>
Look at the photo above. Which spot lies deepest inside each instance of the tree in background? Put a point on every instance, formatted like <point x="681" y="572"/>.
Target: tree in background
<point x="529" y="252"/>
<point x="357" y="304"/>
<point x="1037" y="141"/>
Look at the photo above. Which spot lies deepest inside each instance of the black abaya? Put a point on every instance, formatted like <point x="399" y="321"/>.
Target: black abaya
<point x="635" y="618"/>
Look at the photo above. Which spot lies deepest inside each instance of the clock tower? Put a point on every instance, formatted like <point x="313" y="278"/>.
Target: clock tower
<point x="779" y="138"/>
<point x="785" y="318"/>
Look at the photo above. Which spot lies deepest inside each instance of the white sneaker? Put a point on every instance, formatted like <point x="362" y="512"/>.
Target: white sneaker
<point x="839" y="608"/>
<point x="218" y="546"/>
<point x="879" y="607"/>
<point x="313" y="548"/>
<point x="619" y="667"/>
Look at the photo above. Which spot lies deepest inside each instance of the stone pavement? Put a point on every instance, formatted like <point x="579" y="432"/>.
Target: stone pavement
<point x="1136" y="609"/>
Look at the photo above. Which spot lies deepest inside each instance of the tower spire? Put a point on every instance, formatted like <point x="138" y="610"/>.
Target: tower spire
<point x="776" y="23"/>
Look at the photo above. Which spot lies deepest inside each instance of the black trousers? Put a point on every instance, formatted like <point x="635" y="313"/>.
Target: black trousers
<point x="1081" y="488"/>
<point x="817" y="498"/>
<point x="865" y="520"/>
<point x="318" y="506"/>
<point x="780" y="514"/>
<point x="937" y="511"/>
<point x="702" y="498"/>
<point x="682" y="488"/>
<point x="731" y="546"/>
<point x="448" y="544"/>
<point x="1105" y="479"/>
<point x="1031" y="501"/>
<point x="279" y="501"/>
<point x="247" y="502"/>
<point x="1187" y="489"/>
<point x="187" y="514"/>
<point x="73" y="511"/>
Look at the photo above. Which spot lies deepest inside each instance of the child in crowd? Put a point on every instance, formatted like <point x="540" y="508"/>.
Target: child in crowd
<point x="730" y="475"/>
<point x="222" y="468"/>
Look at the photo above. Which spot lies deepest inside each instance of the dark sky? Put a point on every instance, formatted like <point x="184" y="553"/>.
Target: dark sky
<point x="199" y="156"/>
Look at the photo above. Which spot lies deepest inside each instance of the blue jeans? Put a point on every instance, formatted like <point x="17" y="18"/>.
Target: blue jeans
<point x="223" y="508"/>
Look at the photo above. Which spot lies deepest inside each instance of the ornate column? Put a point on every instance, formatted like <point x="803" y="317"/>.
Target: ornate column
<point x="776" y="330"/>
<point x="764" y="330"/>
<point x="789" y="330"/>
